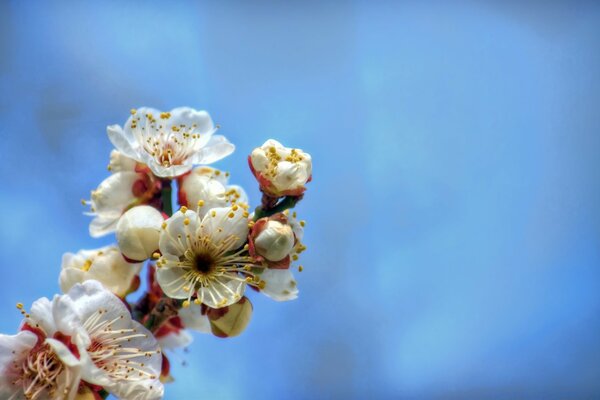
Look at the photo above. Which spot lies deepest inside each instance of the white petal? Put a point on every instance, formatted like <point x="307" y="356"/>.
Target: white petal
<point x="105" y="265"/>
<point x="123" y="141"/>
<point x="171" y="281"/>
<point x="63" y="352"/>
<point x="168" y="172"/>
<point x="222" y="223"/>
<point x="222" y="292"/>
<point x="173" y="238"/>
<point x="198" y="186"/>
<point x="41" y="312"/>
<point x="176" y="340"/>
<point x="188" y="116"/>
<point x="217" y="148"/>
<point x="280" y="284"/>
<point x="243" y="197"/>
<point x="259" y="159"/>
<point x="289" y="176"/>
<point x="65" y="315"/>
<point x="193" y="318"/>
<point x="120" y="162"/>
<point x="12" y="347"/>
<point x="103" y="225"/>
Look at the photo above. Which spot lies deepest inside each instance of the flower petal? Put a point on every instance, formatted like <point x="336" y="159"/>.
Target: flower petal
<point x="280" y="284"/>
<point x="224" y="223"/>
<point x="193" y="318"/>
<point x="217" y="148"/>
<point x="172" y="281"/>
<point x="173" y="239"/>
<point x="123" y="141"/>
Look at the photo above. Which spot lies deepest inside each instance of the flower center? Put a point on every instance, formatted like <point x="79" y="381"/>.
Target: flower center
<point x="167" y="143"/>
<point x="204" y="263"/>
<point x="38" y="373"/>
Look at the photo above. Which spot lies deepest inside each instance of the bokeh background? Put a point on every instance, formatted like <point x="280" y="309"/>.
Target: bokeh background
<point x="453" y="220"/>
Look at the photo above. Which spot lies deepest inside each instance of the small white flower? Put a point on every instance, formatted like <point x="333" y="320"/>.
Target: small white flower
<point x="170" y="143"/>
<point x="138" y="231"/>
<point x="86" y="334"/>
<point x="204" y="257"/>
<point x="105" y="265"/>
<point x="130" y="185"/>
<point x="207" y="188"/>
<point x="281" y="171"/>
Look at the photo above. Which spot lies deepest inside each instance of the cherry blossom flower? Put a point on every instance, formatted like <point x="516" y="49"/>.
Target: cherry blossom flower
<point x="280" y="171"/>
<point x="105" y="265"/>
<point x="131" y="184"/>
<point x="34" y="366"/>
<point x="170" y="143"/>
<point x="204" y="257"/>
<point x="85" y="335"/>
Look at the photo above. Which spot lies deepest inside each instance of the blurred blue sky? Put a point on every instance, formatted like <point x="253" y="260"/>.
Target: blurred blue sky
<point x="453" y="220"/>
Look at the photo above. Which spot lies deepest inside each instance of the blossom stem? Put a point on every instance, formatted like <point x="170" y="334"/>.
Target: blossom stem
<point x="286" y="203"/>
<point x="162" y="312"/>
<point x="167" y="202"/>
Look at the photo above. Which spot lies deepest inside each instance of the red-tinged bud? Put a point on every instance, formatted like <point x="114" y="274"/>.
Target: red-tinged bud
<point x="232" y="320"/>
<point x="272" y="240"/>
<point x="280" y="171"/>
<point x="165" y="372"/>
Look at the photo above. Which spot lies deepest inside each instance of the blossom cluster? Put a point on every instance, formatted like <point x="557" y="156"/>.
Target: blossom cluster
<point x="92" y="340"/>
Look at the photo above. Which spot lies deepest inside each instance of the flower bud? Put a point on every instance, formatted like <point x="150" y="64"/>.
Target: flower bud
<point x="231" y="320"/>
<point x="138" y="231"/>
<point x="280" y="171"/>
<point x="275" y="241"/>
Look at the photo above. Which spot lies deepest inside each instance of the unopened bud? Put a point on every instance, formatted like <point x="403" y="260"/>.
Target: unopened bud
<point x="275" y="241"/>
<point x="138" y="231"/>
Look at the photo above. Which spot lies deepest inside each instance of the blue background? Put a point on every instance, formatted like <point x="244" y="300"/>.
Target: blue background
<point x="453" y="220"/>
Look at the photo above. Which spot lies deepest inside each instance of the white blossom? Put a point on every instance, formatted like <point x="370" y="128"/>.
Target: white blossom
<point x="281" y="171"/>
<point x="86" y="334"/>
<point x="170" y="143"/>
<point x="131" y="184"/>
<point x="37" y="368"/>
<point x="203" y="257"/>
<point x="105" y="265"/>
